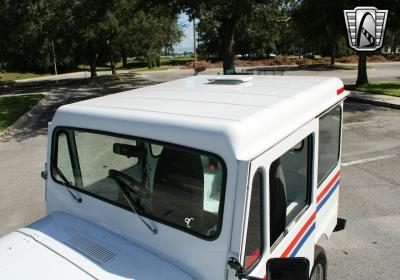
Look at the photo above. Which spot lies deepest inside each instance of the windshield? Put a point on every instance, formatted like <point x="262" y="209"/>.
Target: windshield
<point x="178" y="186"/>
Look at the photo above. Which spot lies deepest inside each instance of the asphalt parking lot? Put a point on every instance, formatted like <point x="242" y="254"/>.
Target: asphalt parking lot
<point x="369" y="195"/>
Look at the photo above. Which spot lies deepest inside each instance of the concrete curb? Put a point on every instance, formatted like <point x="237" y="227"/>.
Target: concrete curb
<point x="21" y="121"/>
<point x="373" y="102"/>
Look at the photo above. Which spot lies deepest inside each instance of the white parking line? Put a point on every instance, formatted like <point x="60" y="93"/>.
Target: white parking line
<point x="357" y="123"/>
<point x="369" y="160"/>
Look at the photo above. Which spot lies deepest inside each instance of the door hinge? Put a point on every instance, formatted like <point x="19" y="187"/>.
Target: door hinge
<point x="234" y="264"/>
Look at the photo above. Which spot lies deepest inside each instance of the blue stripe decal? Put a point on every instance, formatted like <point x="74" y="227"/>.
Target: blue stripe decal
<point x="298" y="247"/>
<point x="332" y="190"/>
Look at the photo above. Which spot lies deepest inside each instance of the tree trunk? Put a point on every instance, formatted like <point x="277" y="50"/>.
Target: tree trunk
<point x="124" y="60"/>
<point x="228" y="55"/>
<point x="93" y="72"/>
<point x="362" y="77"/>
<point x="112" y="64"/>
<point x="333" y="55"/>
<point x="392" y="44"/>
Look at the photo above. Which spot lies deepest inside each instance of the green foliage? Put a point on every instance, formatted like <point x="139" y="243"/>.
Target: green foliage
<point x="392" y="38"/>
<point x="82" y="32"/>
<point x="220" y="22"/>
<point x="321" y="23"/>
<point x="24" y="43"/>
<point x="388" y="88"/>
<point x="267" y="29"/>
<point x="153" y="59"/>
<point x="14" y="76"/>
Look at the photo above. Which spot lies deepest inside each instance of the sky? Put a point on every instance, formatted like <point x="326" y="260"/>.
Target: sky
<point x="187" y="41"/>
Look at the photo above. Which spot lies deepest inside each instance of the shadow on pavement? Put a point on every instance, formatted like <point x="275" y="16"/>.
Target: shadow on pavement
<point x="65" y="94"/>
<point x="359" y="112"/>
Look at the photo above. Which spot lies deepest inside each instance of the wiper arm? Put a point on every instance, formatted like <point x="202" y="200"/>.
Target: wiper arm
<point x="131" y="202"/>
<point x="67" y="184"/>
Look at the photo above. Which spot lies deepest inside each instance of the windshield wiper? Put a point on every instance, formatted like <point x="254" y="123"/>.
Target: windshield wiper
<point x="132" y="204"/>
<point x="67" y="184"/>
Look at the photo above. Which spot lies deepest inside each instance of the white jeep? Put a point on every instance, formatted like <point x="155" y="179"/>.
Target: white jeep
<point x="201" y="178"/>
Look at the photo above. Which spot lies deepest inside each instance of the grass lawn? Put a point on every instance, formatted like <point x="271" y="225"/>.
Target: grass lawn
<point x="13" y="76"/>
<point x="11" y="108"/>
<point x="389" y="88"/>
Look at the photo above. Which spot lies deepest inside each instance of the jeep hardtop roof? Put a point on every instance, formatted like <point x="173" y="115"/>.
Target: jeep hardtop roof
<point x="239" y="120"/>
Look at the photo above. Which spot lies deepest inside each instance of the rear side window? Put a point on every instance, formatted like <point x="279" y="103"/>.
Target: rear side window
<point x="329" y="142"/>
<point x="254" y="240"/>
<point x="290" y="186"/>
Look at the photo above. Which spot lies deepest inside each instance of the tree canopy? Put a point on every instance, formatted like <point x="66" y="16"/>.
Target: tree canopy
<point x="90" y="32"/>
<point x="34" y="33"/>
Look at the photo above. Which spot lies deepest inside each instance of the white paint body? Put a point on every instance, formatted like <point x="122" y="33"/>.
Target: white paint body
<point x="248" y="125"/>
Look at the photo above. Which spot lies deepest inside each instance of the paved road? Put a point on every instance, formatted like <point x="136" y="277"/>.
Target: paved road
<point x="388" y="71"/>
<point x="369" y="195"/>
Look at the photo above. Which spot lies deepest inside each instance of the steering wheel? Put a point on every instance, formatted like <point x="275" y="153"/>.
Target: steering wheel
<point x="132" y="184"/>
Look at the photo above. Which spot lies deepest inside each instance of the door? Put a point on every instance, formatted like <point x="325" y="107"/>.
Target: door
<point x="280" y="209"/>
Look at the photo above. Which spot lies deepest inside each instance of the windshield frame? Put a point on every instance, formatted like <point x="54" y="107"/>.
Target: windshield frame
<point x="75" y="162"/>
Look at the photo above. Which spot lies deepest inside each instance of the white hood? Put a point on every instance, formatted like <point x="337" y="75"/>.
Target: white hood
<point x="61" y="246"/>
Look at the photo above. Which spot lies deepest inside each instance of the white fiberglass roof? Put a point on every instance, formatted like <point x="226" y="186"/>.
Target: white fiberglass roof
<point x="231" y="119"/>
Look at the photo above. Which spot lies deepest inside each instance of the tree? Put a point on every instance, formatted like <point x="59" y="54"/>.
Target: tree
<point x="392" y="38"/>
<point x="226" y="14"/>
<point x="321" y="23"/>
<point x="24" y="44"/>
<point x="362" y="76"/>
<point x="146" y="33"/>
<point x="93" y="25"/>
<point x="393" y="22"/>
<point x="171" y="33"/>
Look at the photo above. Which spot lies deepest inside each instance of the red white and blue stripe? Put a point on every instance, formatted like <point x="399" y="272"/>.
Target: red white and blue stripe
<point x="302" y="236"/>
<point x="328" y="190"/>
<point x="305" y="232"/>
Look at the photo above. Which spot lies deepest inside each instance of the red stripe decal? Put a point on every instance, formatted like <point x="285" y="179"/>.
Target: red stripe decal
<point x="339" y="91"/>
<point x="298" y="236"/>
<point x="328" y="186"/>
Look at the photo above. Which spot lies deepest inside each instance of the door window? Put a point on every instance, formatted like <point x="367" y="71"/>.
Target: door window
<point x="254" y="240"/>
<point x="290" y="186"/>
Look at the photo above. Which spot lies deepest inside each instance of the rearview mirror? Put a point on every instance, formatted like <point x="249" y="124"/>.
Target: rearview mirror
<point x="288" y="269"/>
<point x="128" y="150"/>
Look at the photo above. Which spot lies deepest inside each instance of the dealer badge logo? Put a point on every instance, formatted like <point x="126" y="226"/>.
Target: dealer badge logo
<point x="365" y="28"/>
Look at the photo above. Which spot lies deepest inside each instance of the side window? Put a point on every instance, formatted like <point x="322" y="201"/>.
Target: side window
<point x="254" y="241"/>
<point x="289" y="186"/>
<point x="329" y="142"/>
<point x="63" y="159"/>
